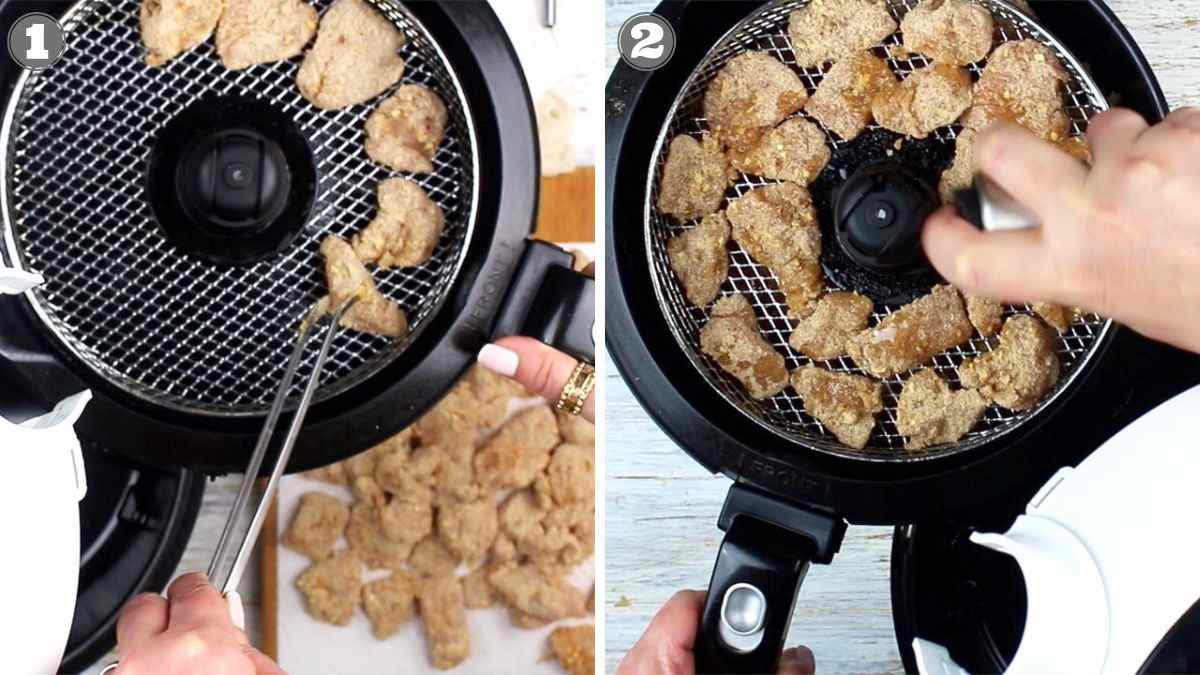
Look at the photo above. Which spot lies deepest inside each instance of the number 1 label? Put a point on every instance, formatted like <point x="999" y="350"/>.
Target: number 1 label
<point x="37" y="42"/>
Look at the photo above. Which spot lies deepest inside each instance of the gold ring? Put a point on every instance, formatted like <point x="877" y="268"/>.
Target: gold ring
<point x="577" y="389"/>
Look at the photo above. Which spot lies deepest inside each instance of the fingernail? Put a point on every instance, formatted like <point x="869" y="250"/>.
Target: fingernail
<point x="498" y="360"/>
<point x="237" y="613"/>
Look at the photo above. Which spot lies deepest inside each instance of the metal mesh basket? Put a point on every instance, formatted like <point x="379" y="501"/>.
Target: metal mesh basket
<point x="784" y="414"/>
<point x="159" y="324"/>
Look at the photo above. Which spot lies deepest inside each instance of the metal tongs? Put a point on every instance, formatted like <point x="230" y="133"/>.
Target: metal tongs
<point x="226" y="573"/>
<point x="223" y="572"/>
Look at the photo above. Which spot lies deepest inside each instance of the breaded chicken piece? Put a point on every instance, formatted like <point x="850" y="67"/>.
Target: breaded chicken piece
<point x="444" y="616"/>
<point x="1060" y="318"/>
<point x="405" y="130"/>
<point x="408" y="517"/>
<point x="732" y="339"/>
<point x="575" y="429"/>
<point x="845" y="404"/>
<point x="913" y="335"/>
<point x="406" y="229"/>
<point x="431" y="558"/>
<point x="519" y="451"/>
<point x="365" y="489"/>
<point x="985" y="314"/>
<point x="528" y="589"/>
<point x="842" y="101"/>
<point x="264" y="31"/>
<point x="354" y="59"/>
<point x="570" y="478"/>
<point x="390" y="603"/>
<point x="777" y="225"/>
<point x="455" y="476"/>
<point x="346" y="277"/>
<point x="929" y="413"/>
<point x="550" y="537"/>
<point x="363" y="464"/>
<point x="1019" y="372"/>
<point x="699" y="259"/>
<point x="828" y="30"/>
<point x="957" y="32"/>
<point x="839" y="316"/>
<point x="171" y="27"/>
<point x="1022" y="83"/>
<point x="928" y="99"/>
<point x="491" y="389"/>
<point x="477" y="592"/>
<point x="793" y="151"/>
<point x="455" y="419"/>
<point x="332" y="588"/>
<point x="468" y="528"/>
<point x="367" y="539"/>
<point x="694" y="177"/>
<point x="575" y="649"/>
<point x="317" y="525"/>
<point x="334" y="474"/>
<point x="961" y="174"/>
<point x="751" y="94"/>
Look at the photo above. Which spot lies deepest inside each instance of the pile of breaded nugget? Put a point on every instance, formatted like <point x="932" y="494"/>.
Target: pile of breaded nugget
<point x="763" y="121"/>
<point x="513" y="507"/>
<point x="355" y="58"/>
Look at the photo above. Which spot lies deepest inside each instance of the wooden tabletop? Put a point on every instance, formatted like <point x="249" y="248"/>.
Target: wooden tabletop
<point x="662" y="507"/>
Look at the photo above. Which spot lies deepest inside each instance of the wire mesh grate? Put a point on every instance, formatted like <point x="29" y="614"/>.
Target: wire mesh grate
<point x="157" y="323"/>
<point x="784" y="414"/>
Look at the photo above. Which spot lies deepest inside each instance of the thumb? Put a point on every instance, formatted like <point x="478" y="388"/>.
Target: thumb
<point x="1007" y="266"/>
<point x="541" y="369"/>
<point x="797" y="661"/>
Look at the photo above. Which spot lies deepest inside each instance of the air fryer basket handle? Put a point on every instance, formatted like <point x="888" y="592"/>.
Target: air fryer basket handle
<point x="550" y="301"/>
<point x="768" y="547"/>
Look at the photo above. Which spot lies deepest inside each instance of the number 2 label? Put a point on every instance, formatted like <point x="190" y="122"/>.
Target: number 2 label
<point x="649" y="41"/>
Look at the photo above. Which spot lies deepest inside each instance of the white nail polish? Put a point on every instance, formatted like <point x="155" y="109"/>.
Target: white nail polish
<point x="498" y="360"/>
<point x="237" y="613"/>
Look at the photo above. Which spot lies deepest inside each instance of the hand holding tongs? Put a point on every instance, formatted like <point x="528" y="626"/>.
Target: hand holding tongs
<point x="225" y="572"/>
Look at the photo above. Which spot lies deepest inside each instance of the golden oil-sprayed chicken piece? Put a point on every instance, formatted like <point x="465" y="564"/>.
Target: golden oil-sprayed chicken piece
<point x="1058" y="317"/>
<point x="354" y="59"/>
<point x="575" y="648"/>
<point x="961" y="174"/>
<point x="928" y="99"/>
<point x="930" y="413"/>
<point x="694" y="177"/>
<point x="825" y="334"/>
<point x="913" y="334"/>
<point x="264" y="31"/>
<point x="845" y="404"/>
<point x="842" y="101"/>
<point x="949" y="31"/>
<point x="346" y="278"/>
<point x="1022" y="83"/>
<point x="1018" y="373"/>
<point x="332" y="588"/>
<point x="753" y="92"/>
<point x="444" y="616"/>
<point x="405" y="231"/>
<point x="171" y="27"/>
<point x="986" y="314"/>
<point x="828" y="30"/>
<point x="777" y="226"/>
<point x="700" y="260"/>
<point x="731" y="338"/>
<point x="793" y="151"/>
<point x="390" y="602"/>
<point x="406" y="129"/>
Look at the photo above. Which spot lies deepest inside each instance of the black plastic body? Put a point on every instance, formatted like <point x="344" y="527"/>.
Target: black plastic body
<point x="472" y="38"/>
<point x="879" y="214"/>
<point x="768" y="544"/>
<point x="1129" y="375"/>
<point x="197" y="219"/>
<point x="550" y="301"/>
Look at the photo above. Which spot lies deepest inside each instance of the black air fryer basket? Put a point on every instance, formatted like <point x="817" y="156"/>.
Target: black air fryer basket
<point x="795" y="487"/>
<point x="183" y="337"/>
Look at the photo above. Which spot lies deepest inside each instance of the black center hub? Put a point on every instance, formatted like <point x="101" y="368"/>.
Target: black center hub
<point x="231" y="180"/>
<point x="878" y="217"/>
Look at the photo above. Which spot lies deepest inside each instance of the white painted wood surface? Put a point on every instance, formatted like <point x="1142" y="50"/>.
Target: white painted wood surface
<point x="662" y="507"/>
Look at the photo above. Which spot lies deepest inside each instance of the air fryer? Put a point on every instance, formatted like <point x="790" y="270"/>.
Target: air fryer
<point x="795" y="487"/>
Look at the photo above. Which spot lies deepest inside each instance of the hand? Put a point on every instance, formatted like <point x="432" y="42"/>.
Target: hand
<point x="541" y="369"/>
<point x="1122" y="239"/>
<point x="666" y="646"/>
<point x="189" y="632"/>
